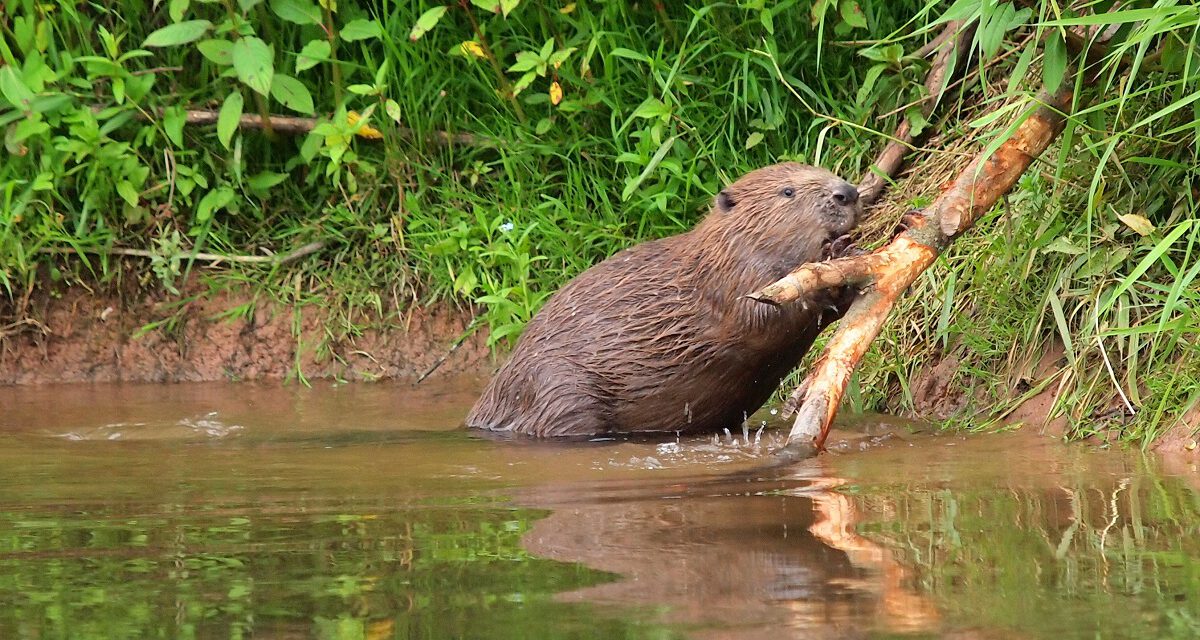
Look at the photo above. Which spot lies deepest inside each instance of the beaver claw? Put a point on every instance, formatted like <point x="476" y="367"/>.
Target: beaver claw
<point x="911" y="219"/>
<point x="841" y="247"/>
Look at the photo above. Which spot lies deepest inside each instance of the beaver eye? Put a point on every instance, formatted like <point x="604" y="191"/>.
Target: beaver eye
<point x="788" y="192"/>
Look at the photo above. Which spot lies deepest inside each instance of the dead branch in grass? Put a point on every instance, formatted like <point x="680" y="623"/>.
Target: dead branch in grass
<point x="299" y="126"/>
<point x="276" y="259"/>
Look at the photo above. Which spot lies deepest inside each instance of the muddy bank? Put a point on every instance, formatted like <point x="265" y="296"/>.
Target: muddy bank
<point x="77" y="335"/>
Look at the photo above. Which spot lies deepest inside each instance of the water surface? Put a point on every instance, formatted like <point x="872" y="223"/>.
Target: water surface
<point x="363" y="511"/>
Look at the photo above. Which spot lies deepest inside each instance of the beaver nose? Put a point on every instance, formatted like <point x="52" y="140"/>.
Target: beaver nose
<point x="845" y="194"/>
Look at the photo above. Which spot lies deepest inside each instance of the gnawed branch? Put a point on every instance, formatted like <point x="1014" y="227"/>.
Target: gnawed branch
<point x="886" y="273"/>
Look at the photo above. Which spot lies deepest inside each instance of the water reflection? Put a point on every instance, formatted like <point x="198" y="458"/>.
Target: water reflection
<point x="744" y="556"/>
<point x="361" y="511"/>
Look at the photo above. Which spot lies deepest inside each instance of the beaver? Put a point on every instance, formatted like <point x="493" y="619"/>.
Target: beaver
<point x="659" y="337"/>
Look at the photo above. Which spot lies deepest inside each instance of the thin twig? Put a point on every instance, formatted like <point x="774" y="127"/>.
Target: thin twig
<point x="446" y="356"/>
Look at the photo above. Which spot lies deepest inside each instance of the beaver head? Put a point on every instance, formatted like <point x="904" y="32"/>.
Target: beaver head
<point x="783" y="213"/>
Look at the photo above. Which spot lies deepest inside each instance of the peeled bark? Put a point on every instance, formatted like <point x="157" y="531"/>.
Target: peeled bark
<point x="887" y="272"/>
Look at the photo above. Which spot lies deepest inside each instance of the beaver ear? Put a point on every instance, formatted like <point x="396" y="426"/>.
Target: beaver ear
<point x="725" y="201"/>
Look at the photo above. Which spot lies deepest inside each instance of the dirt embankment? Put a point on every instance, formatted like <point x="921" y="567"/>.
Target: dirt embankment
<point x="78" y="335"/>
<point x="75" y="335"/>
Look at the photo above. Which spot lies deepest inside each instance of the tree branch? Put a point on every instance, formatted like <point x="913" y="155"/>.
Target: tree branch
<point x="277" y="259"/>
<point x="890" y="270"/>
<point x="953" y="40"/>
<point x="298" y="126"/>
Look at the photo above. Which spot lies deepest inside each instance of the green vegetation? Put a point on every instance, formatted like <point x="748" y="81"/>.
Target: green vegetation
<point x="1080" y="560"/>
<point x="589" y="126"/>
<point x="426" y="571"/>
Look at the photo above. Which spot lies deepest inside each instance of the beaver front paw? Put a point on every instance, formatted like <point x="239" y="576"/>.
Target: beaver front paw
<point x="911" y="219"/>
<point x="841" y="247"/>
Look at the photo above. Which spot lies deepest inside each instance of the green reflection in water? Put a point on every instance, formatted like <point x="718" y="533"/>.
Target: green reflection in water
<point x="1105" y="557"/>
<point x="452" y="569"/>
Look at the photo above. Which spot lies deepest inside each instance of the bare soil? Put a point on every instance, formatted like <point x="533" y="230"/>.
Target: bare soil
<point x="77" y="335"/>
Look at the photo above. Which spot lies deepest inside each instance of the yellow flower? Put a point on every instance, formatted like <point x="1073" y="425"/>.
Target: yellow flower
<point x="471" y="48"/>
<point x="366" y="131"/>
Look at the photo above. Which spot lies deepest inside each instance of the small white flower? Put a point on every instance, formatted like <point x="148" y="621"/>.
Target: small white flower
<point x="506" y="227"/>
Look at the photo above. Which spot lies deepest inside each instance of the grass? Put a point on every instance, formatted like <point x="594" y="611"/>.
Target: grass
<point x="658" y="110"/>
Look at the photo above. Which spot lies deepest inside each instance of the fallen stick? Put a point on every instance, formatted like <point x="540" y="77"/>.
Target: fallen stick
<point x="298" y="126"/>
<point x="277" y="259"/>
<point x="887" y="272"/>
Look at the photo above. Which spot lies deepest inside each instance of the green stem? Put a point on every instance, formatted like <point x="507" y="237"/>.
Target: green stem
<point x="505" y="88"/>
<point x="259" y="100"/>
<point x="331" y="34"/>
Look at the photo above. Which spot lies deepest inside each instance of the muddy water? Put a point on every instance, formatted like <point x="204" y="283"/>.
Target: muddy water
<point x="361" y="511"/>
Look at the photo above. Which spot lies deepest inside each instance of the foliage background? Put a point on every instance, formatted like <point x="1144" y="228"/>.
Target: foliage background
<point x="626" y="118"/>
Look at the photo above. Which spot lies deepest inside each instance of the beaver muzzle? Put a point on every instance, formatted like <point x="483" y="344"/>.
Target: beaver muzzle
<point x="843" y="208"/>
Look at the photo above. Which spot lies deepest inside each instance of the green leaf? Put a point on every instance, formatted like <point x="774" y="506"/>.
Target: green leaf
<point x="1054" y="62"/>
<point x="218" y="51"/>
<point x="427" y="21"/>
<point x="265" y="180"/>
<point x="916" y="119"/>
<point x="1020" y="68"/>
<point x="26" y="128"/>
<point x="868" y="83"/>
<point x="852" y="14"/>
<point x="292" y="94"/>
<point x="297" y="11"/>
<point x="506" y="6"/>
<point x="560" y="56"/>
<point x="14" y="89"/>
<point x="173" y="120"/>
<point x="360" y="30"/>
<point x="392" y="109"/>
<point x="381" y="74"/>
<point x="622" y="52"/>
<point x="127" y="192"/>
<point x="526" y="60"/>
<point x="247" y="5"/>
<point x="213" y="201"/>
<point x="992" y="27"/>
<point x="1063" y="245"/>
<point x="753" y="140"/>
<point x="524" y="82"/>
<point x="312" y="144"/>
<point x="632" y="185"/>
<point x="1120" y="17"/>
<point x="313" y="53"/>
<point x="177" y="8"/>
<point x="229" y="118"/>
<point x="254" y="64"/>
<point x="487" y="5"/>
<point x="651" y="108"/>
<point x="178" y="33"/>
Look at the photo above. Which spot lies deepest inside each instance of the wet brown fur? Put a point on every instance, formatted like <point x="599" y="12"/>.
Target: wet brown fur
<point x="658" y="338"/>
